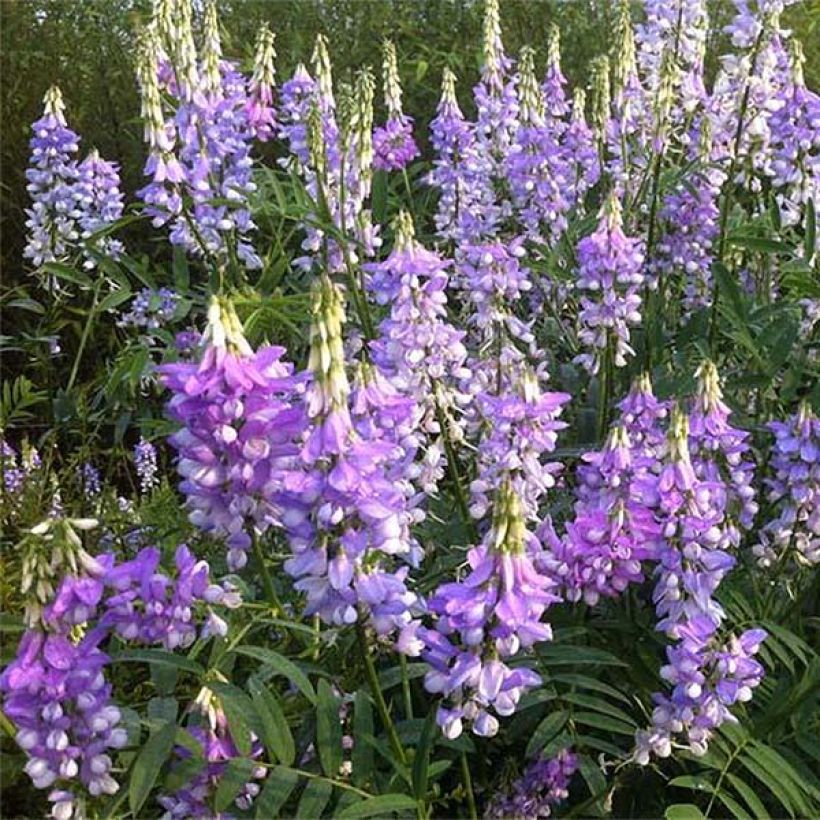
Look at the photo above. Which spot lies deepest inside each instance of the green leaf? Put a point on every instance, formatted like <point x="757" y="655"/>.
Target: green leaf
<point x="163" y="710"/>
<point x="728" y="287"/>
<point x="734" y="807"/>
<point x="147" y="766"/>
<point x="748" y="794"/>
<point x="67" y="273"/>
<point x="281" y="781"/>
<point x="683" y="811"/>
<point x="276" y="734"/>
<point x="328" y="730"/>
<point x="567" y="655"/>
<point x="759" y="243"/>
<point x="696" y="782"/>
<point x="379" y="806"/>
<point x="239" y="711"/>
<point x="279" y="665"/>
<point x="603" y="722"/>
<point x="595" y="780"/>
<point x="547" y="729"/>
<point x="314" y="799"/>
<point x="421" y="761"/>
<point x="362" y="757"/>
<point x="114" y="299"/>
<point x="785" y="773"/>
<point x="237" y="773"/>
<point x="768" y="780"/>
<point x="585" y="682"/>
<point x="598" y="705"/>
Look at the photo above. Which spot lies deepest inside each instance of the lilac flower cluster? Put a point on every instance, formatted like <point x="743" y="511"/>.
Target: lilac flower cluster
<point x="543" y="785"/>
<point x="690" y="214"/>
<point x="71" y="201"/>
<point x="393" y="144"/>
<point x="418" y="349"/>
<point x="521" y="427"/>
<point x="610" y="274"/>
<point x="707" y="678"/>
<point x="56" y="690"/>
<point x="218" y="748"/>
<point x="259" y="106"/>
<point x="458" y="171"/>
<point x="614" y="529"/>
<point x="483" y="620"/>
<point x="708" y="672"/>
<point x="147" y="606"/>
<point x="90" y="480"/>
<point x="17" y="470"/>
<point x="795" y="134"/>
<point x="145" y="462"/>
<point x="199" y="163"/>
<point x="150" y="309"/>
<point x="347" y="522"/>
<point x="239" y="425"/>
<point x="793" y="534"/>
<point x="57" y="696"/>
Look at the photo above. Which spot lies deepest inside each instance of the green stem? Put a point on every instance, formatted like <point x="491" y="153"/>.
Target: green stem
<point x="84" y="338"/>
<point x="7" y="726"/>
<point x="410" y="200"/>
<point x="468" y="786"/>
<point x="452" y="463"/>
<point x="267" y="581"/>
<point x="606" y="388"/>
<point x="405" y="687"/>
<point x="375" y="690"/>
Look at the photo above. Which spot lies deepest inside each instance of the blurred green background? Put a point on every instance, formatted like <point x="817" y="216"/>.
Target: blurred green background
<point x="87" y="48"/>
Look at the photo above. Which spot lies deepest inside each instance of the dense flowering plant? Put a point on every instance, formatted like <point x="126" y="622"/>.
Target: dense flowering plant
<point x="497" y="456"/>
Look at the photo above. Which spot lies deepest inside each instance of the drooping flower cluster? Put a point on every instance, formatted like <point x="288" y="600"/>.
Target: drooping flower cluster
<point x="18" y="470"/>
<point x="239" y="425"/>
<point x="793" y="534"/>
<point x="199" y="163"/>
<point x="496" y="126"/>
<point x="393" y="144"/>
<point x="418" y="349"/>
<point x="707" y="678"/>
<point x="149" y="607"/>
<point x="795" y="166"/>
<point x="260" y="110"/>
<point x="543" y="785"/>
<point x="614" y="529"/>
<point x="687" y="247"/>
<point x="458" y="171"/>
<point x="521" y="426"/>
<point x="610" y="274"/>
<point x="540" y="174"/>
<point x="347" y="522"/>
<point x="71" y="201"/>
<point x="145" y="462"/>
<point x="218" y="748"/>
<point x="709" y="672"/>
<point x="56" y="691"/>
<point x="150" y="309"/>
<point x="485" y="619"/>
<point x="57" y="696"/>
<point x="721" y="455"/>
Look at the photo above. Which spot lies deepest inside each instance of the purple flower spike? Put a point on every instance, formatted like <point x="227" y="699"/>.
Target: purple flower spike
<point x="238" y="435"/>
<point x="489" y="616"/>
